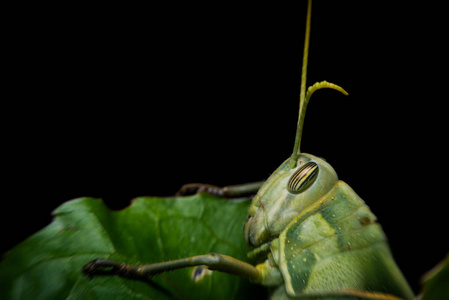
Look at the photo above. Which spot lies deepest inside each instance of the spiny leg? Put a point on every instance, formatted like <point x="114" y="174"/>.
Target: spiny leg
<point x="214" y="261"/>
<point x="231" y="191"/>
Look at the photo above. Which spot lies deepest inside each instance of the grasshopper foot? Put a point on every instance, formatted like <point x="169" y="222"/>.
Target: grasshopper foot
<point x="109" y="267"/>
<point x="230" y="191"/>
<point x="196" y="188"/>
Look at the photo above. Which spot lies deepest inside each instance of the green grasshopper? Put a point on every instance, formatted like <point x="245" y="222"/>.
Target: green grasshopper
<point x="314" y="236"/>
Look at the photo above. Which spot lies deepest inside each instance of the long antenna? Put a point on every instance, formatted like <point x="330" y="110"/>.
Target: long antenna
<point x="303" y="97"/>
<point x="302" y="94"/>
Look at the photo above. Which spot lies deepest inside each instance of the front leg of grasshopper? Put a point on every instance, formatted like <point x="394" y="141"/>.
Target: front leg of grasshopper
<point x="231" y="191"/>
<point x="214" y="261"/>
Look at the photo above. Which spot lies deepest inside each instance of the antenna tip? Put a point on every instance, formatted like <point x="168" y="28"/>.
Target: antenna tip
<point x="324" y="85"/>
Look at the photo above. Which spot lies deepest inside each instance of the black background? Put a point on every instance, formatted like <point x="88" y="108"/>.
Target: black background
<point x="124" y="101"/>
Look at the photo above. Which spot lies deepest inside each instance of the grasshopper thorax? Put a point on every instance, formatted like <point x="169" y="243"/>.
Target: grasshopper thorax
<point x="287" y="192"/>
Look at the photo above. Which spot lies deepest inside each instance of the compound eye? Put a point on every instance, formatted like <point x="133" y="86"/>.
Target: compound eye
<point x="303" y="178"/>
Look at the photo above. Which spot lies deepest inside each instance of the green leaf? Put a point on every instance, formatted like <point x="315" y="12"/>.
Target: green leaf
<point x="48" y="264"/>
<point x="436" y="282"/>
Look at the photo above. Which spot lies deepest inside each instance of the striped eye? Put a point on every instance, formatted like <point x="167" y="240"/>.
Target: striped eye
<point x="303" y="178"/>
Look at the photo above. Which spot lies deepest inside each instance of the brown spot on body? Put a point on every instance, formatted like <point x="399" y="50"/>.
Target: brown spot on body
<point x="364" y="221"/>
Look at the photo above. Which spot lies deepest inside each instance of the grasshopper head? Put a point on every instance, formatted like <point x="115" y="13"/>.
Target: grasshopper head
<point x="288" y="191"/>
<point x="299" y="182"/>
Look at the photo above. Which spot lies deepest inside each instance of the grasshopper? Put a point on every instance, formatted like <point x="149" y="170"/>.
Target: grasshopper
<point x="313" y="235"/>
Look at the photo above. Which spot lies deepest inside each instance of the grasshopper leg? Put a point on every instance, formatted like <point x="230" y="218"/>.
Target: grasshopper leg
<point x="231" y="191"/>
<point x="213" y="261"/>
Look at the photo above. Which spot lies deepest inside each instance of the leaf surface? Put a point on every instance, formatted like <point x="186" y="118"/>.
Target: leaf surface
<point x="48" y="264"/>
